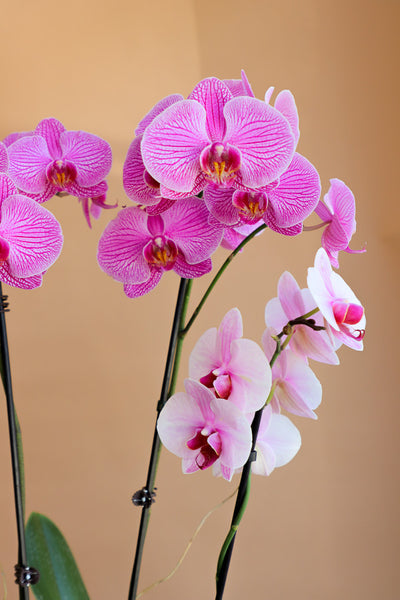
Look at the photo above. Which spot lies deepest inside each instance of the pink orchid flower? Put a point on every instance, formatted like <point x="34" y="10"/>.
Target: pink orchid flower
<point x="30" y="238"/>
<point x="55" y="161"/>
<point x="215" y="138"/>
<point x="296" y="388"/>
<point x="337" y="302"/>
<point x="338" y="216"/>
<point x="278" y="441"/>
<point x="234" y="368"/>
<point x="204" y="430"/>
<point x="282" y="205"/>
<point x="136" y="248"/>
<point x="292" y="302"/>
<point x="139" y="185"/>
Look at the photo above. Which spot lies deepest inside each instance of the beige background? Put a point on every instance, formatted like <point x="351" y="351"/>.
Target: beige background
<point x="87" y="361"/>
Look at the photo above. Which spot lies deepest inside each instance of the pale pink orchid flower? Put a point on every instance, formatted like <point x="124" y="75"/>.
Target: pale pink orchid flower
<point x="204" y="430"/>
<point x="137" y="248"/>
<point x="338" y="215"/>
<point x="278" y="441"/>
<point x="337" y="302"/>
<point x="214" y="138"/>
<point x="296" y="388"/>
<point x="52" y="160"/>
<point x="233" y="367"/>
<point x="291" y="303"/>
<point x="30" y="238"/>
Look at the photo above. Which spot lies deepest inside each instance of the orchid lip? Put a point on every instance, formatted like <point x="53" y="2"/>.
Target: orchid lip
<point x="161" y="252"/>
<point x="251" y="205"/>
<point x="61" y="173"/>
<point x="4" y="250"/>
<point x="220" y="163"/>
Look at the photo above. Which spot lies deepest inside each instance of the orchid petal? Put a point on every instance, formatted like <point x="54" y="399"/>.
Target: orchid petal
<point x="213" y="94"/>
<point x="178" y="422"/>
<point x="204" y="356"/>
<point x="189" y="271"/>
<point x="33" y="233"/>
<point x="3" y="158"/>
<point x="28" y="159"/>
<point x="50" y="130"/>
<point x="25" y="283"/>
<point x="186" y="222"/>
<point x="140" y="289"/>
<point x="7" y="187"/>
<point x="250" y="365"/>
<point x="172" y="145"/>
<point x="286" y="105"/>
<point x="297" y="194"/>
<point x="219" y="202"/>
<point x="120" y="252"/>
<point x="135" y="184"/>
<point x="290" y="297"/>
<point x="231" y="328"/>
<point x="90" y="154"/>
<point x="262" y="136"/>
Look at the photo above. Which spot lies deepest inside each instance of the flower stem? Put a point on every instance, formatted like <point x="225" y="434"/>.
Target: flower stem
<point x="169" y="379"/>
<point x="218" y="275"/>
<point x="243" y="494"/>
<point x="15" y="445"/>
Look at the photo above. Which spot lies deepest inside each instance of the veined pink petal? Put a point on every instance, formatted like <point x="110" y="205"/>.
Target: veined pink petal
<point x="213" y="94"/>
<point x="3" y="158"/>
<point x="269" y="219"/>
<point x="198" y="186"/>
<point x="230" y="329"/>
<point x="137" y="187"/>
<point x="189" y="271"/>
<point x="28" y="160"/>
<point x="90" y="154"/>
<point x="140" y="289"/>
<point x="156" y="110"/>
<point x="33" y="233"/>
<point x="48" y="192"/>
<point x="25" y="283"/>
<point x="157" y="209"/>
<point x="120" y="252"/>
<point x="262" y="135"/>
<point x="219" y="202"/>
<point x="286" y="105"/>
<point x="172" y="145"/>
<point x="297" y="194"/>
<point x="7" y="187"/>
<point x="186" y="222"/>
<point x="13" y="137"/>
<point x="50" y="130"/>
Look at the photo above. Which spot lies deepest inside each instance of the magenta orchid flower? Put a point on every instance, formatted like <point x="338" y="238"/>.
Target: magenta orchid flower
<point x="291" y="303"/>
<point x="338" y="215"/>
<point x="55" y="161"/>
<point x="278" y="441"/>
<point x="215" y="138"/>
<point x="337" y="302"/>
<point x="296" y="388"/>
<point x="282" y="205"/>
<point x="204" y="430"/>
<point x="30" y="238"/>
<point x="136" y="248"/>
<point x="234" y="368"/>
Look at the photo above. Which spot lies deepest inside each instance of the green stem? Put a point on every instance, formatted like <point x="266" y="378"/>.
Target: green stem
<point x="169" y="379"/>
<point x="218" y="275"/>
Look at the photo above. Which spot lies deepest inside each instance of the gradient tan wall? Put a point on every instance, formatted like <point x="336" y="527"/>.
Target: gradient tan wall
<point x="87" y="361"/>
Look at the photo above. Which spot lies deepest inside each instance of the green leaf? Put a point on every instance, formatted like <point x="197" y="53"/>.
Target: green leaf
<point x="48" y="552"/>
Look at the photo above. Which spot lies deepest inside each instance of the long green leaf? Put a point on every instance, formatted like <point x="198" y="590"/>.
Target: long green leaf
<point x="48" y="552"/>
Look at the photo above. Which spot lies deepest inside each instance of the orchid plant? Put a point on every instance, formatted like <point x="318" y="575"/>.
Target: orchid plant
<point x="215" y="169"/>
